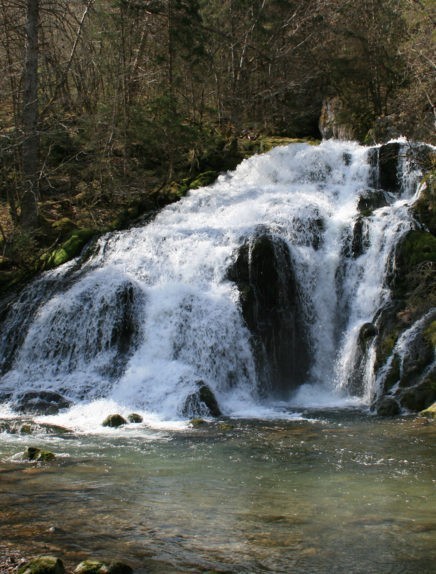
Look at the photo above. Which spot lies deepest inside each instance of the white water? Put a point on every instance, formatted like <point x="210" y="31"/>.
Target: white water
<point x="189" y="324"/>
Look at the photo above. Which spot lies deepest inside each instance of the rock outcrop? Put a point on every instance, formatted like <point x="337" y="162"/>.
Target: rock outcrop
<point x="271" y="307"/>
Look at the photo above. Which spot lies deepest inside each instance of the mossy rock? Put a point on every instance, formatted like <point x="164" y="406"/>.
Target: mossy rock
<point x="114" y="421"/>
<point x="70" y="249"/>
<point x="416" y="248"/>
<point x="197" y="423"/>
<point x="64" y="225"/>
<point x="43" y="565"/>
<point x="204" y="179"/>
<point x="430" y="333"/>
<point x="225" y="427"/>
<point x="135" y="418"/>
<point x="429" y="412"/>
<point x="92" y="567"/>
<point x="425" y="207"/>
<point x="38" y="455"/>
<point x="98" y="567"/>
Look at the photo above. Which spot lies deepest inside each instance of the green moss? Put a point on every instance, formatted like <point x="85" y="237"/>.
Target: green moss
<point x="91" y="567"/>
<point x="68" y="250"/>
<point x="430" y="412"/>
<point x="416" y="248"/>
<point x="205" y="178"/>
<point x="196" y="423"/>
<point x="36" y="454"/>
<point x="43" y="565"/>
<point x="430" y="333"/>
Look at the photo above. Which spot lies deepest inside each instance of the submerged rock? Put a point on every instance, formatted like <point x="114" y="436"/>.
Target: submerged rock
<point x="43" y="565"/>
<point x="41" y="403"/>
<point x="38" y="455"/>
<point x="114" y="421"/>
<point x="272" y="310"/>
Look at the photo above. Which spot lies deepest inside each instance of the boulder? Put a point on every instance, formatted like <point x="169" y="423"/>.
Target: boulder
<point x="370" y="200"/>
<point x="114" y="421"/>
<point x="271" y="308"/>
<point x="387" y="407"/>
<point x="201" y="403"/>
<point x="135" y="418"/>
<point x="43" y="565"/>
<point x="430" y="412"/>
<point x="41" y="403"/>
<point x="98" y="567"/>
<point x="38" y="455"/>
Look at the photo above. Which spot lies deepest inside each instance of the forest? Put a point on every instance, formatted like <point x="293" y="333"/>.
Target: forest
<point x="111" y="108"/>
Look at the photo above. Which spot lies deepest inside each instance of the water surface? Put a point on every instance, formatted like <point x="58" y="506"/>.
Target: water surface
<point x="337" y="491"/>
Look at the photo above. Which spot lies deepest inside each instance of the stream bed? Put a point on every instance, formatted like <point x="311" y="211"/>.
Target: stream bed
<point x="329" y="491"/>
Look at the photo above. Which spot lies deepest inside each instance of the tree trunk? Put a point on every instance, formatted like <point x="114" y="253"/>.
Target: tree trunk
<point x="30" y="148"/>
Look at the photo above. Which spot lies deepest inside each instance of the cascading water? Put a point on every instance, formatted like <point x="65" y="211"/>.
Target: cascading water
<point x="153" y="310"/>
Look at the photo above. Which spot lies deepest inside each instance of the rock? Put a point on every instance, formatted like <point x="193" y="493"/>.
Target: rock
<point x="388" y="177"/>
<point x="429" y="412"/>
<point x="360" y="240"/>
<point x="117" y="567"/>
<point x="201" y="402"/>
<point x="43" y="565"/>
<point x="272" y="310"/>
<point x="135" y="418"/>
<point x="36" y="454"/>
<point x="97" y="567"/>
<point x="367" y="331"/>
<point x="387" y="407"/>
<point x="331" y="124"/>
<point x="370" y="200"/>
<point x="92" y="567"/>
<point x="114" y="420"/>
<point x="420" y="396"/>
<point x="41" y="403"/>
<point x="196" y="423"/>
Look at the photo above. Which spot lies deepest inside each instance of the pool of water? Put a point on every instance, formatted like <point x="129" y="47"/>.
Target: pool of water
<point x="337" y="491"/>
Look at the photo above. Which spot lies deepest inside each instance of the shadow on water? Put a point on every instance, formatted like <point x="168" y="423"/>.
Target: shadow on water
<point x="339" y="491"/>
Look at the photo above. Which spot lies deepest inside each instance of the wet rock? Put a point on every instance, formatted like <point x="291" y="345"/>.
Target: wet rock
<point x="420" y="396"/>
<point x="360" y="240"/>
<point x="97" y="567"/>
<point x="38" y="455"/>
<point x="387" y="407"/>
<point x="43" y="565"/>
<point x="135" y="418"/>
<point x="197" y="422"/>
<point x="272" y="310"/>
<point x="114" y="421"/>
<point x="367" y="331"/>
<point x="91" y="567"/>
<point x="388" y="176"/>
<point x="41" y="403"/>
<point x="370" y="200"/>
<point x="202" y="402"/>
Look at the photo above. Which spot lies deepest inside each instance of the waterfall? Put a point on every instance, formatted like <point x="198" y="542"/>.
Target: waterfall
<point x="152" y="311"/>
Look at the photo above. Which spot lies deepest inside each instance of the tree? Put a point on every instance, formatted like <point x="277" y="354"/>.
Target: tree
<point x="30" y="145"/>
